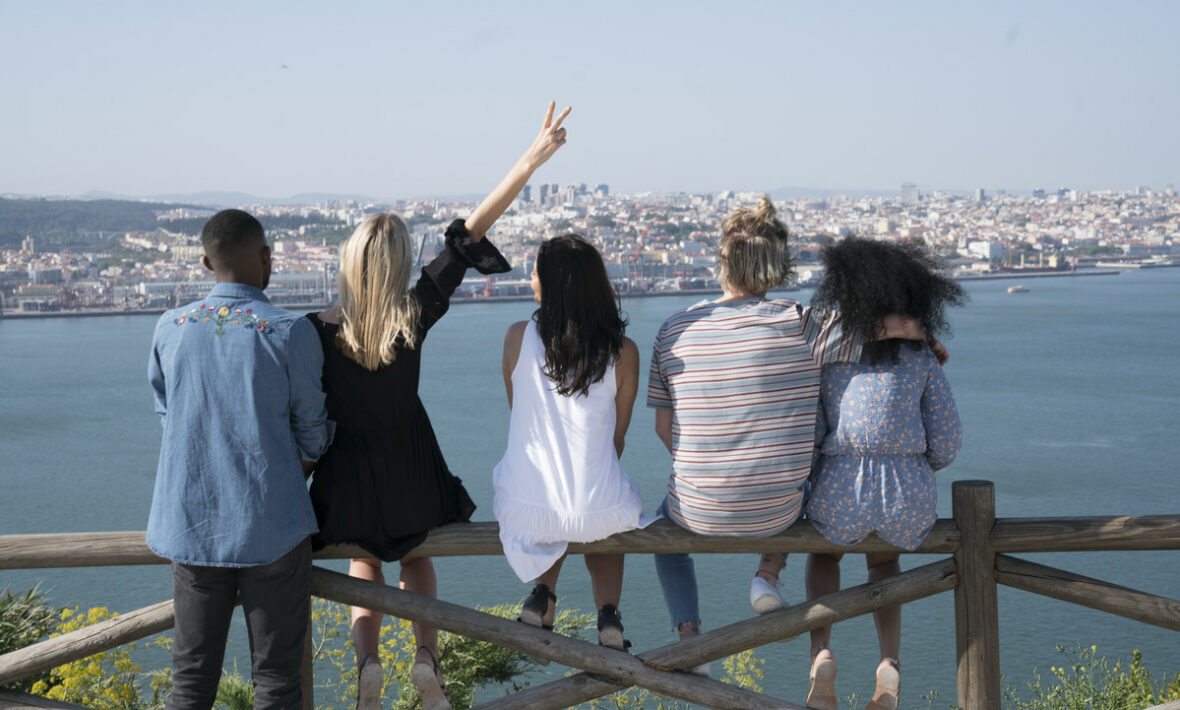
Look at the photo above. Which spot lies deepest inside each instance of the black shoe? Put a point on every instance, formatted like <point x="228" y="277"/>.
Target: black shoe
<point x="610" y="628"/>
<point x="532" y="612"/>
<point x="536" y="604"/>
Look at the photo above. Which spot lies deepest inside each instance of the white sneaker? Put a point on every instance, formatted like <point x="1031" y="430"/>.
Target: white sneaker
<point x="765" y="597"/>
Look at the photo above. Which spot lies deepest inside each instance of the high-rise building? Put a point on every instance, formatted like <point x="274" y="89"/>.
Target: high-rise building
<point x="602" y="190"/>
<point x="526" y="193"/>
<point x="980" y="195"/>
<point x="28" y="246"/>
<point x="542" y="194"/>
<point x="909" y="193"/>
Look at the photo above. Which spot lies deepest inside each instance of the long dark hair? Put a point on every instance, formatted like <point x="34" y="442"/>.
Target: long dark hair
<point x="580" y="322"/>
<point x="868" y="279"/>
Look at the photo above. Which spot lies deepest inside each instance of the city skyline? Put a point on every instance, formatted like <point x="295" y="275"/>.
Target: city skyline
<point x="275" y="99"/>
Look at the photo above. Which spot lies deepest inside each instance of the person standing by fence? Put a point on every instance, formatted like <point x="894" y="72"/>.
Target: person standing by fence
<point x="237" y="383"/>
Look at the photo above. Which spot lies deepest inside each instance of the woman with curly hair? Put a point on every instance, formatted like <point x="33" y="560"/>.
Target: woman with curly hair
<point x="885" y="425"/>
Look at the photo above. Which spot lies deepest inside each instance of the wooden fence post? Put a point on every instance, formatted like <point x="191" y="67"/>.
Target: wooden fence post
<point x="977" y="628"/>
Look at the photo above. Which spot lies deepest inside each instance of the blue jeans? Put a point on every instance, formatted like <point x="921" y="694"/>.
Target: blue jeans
<point x="678" y="579"/>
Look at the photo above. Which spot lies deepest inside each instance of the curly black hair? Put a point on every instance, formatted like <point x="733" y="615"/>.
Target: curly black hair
<point x="866" y="280"/>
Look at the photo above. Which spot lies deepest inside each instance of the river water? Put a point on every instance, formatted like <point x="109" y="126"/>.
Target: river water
<point x="1069" y="396"/>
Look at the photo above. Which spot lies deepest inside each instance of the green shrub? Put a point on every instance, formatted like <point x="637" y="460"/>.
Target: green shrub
<point x="25" y="619"/>
<point x="1087" y="681"/>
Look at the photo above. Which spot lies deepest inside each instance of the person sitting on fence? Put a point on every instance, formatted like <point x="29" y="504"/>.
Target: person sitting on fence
<point x="237" y="383"/>
<point x="885" y="425"/>
<point x="571" y="378"/>
<point x="383" y="484"/>
<point x="735" y="383"/>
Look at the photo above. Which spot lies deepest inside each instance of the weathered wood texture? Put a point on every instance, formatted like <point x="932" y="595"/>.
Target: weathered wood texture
<point x="1114" y="532"/>
<point x="84" y="642"/>
<point x="460" y="539"/>
<point x="1094" y="593"/>
<point x="910" y="585"/>
<point x="15" y="700"/>
<point x="977" y="623"/>
<point x="623" y="667"/>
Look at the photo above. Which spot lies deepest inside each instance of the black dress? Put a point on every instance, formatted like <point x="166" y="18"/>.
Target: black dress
<point x="383" y="483"/>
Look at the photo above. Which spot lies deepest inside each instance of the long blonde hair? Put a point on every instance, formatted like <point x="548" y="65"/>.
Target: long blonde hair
<point x="378" y="311"/>
<point x="754" y="254"/>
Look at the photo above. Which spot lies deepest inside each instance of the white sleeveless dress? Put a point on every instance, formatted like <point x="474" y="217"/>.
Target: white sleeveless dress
<point x="560" y="479"/>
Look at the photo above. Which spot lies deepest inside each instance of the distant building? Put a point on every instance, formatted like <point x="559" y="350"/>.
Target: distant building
<point x="980" y="195"/>
<point x="526" y="194"/>
<point x="28" y="246"/>
<point x="602" y="190"/>
<point x="909" y="193"/>
<point x="1038" y="193"/>
<point x="986" y="250"/>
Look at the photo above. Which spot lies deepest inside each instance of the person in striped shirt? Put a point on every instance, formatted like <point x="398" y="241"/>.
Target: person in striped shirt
<point x="735" y="385"/>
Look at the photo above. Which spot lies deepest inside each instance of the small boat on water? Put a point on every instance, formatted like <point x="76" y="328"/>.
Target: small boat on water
<point x="1018" y="288"/>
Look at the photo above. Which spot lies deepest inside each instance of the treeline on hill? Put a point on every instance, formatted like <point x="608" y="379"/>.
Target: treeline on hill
<point x="74" y="222"/>
<point x="192" y="225"/>
<point x="58" y="223"/>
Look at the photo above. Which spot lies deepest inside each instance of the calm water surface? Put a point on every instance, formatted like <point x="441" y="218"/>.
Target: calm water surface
<point x="1068" y="394"/>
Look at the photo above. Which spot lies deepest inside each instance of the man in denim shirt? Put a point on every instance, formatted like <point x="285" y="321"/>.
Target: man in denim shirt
<point x="237" y="382"/>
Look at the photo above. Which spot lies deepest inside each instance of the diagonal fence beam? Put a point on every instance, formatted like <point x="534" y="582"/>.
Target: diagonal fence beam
<point x="908" y="586"/>
<point x="1086" y="591"/>
<point x="617" y="665"/>
<point x="86" y="641"/>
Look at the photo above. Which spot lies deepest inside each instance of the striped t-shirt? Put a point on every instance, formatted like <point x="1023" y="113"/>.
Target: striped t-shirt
<point x="742" y="380"/>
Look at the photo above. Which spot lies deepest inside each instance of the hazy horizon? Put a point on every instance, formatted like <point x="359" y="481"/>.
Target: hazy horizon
<point x="277" y="99"/>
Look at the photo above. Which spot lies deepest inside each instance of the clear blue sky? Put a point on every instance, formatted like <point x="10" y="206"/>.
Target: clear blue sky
<point x="413" y="98"/>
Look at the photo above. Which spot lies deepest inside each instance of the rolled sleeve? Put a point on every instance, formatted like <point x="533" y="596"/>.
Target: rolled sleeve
<point x="658" y="394"/>
<point x="828" y="341"/>
<point x="305" y="366"/>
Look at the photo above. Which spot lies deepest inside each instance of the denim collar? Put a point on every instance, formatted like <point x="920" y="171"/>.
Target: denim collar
<point x="236" y="290"/>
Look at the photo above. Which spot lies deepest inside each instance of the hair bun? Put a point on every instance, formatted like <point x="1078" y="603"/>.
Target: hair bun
<point x="765" y="209"/>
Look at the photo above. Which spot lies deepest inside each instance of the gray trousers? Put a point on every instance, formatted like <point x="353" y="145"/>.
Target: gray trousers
<point x="275" y="599"/>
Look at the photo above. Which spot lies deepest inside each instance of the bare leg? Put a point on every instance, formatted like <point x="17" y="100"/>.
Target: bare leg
<point x="549" y="579"/>
<point x="606" y="577"/>
<point x="823" y="577"/>
<point x="883" y="565"/>
<point x="418" y="576"/>
<point x="366" y="624"/>
<point x="769" y="565"/>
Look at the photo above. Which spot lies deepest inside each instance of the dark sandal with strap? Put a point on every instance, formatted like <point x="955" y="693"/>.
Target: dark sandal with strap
<point x="428" y="680"/>
<point x="610" y="628"/>
<point x="533" y="611"/>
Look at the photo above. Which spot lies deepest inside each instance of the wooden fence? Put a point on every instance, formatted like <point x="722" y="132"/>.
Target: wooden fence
<point x="976" y="542"/>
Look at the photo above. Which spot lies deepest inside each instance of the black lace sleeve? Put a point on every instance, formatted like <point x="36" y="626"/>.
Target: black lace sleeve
<point x="445" y="272"/>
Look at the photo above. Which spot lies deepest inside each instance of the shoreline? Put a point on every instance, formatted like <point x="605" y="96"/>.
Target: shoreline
<point x="104" y="313"/>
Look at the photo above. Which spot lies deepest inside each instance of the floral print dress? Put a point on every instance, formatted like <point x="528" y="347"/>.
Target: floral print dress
<point x="882" y="431"/>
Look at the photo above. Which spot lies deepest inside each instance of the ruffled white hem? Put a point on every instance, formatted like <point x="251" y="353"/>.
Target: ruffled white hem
<point x="535" y="536"/>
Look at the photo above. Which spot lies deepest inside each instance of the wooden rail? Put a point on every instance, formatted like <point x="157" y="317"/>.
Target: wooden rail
<point x="974" y="537"/>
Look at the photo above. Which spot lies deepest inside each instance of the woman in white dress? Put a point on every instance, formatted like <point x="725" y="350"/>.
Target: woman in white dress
<point x="571" y="378"/>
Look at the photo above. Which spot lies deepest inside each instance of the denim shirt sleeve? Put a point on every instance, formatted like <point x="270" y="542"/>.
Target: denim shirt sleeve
<point x="156" y="378"/>
<point x="305" y="367"/>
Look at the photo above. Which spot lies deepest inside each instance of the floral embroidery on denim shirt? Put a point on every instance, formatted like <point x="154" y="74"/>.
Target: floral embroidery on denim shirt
<point x="222" y="317"/>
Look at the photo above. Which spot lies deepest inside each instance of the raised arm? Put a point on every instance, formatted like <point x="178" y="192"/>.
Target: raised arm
<point x="548" y="140"/>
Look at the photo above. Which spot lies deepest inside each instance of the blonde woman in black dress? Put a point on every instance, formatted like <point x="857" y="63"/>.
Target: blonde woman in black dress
<point x="383" y="483"/>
